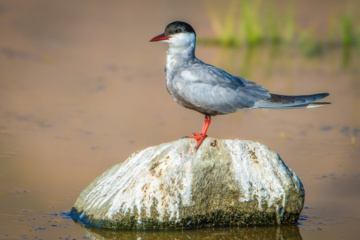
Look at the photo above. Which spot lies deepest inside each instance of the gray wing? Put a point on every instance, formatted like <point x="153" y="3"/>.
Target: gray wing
<point x="299" y="101"/>
<point x="212" y="91"/>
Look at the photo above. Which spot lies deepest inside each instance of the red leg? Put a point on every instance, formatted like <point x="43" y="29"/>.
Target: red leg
<point x="200" y="137"/>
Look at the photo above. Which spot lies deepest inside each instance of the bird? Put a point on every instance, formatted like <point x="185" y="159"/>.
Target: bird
<point x="211" y="91"/>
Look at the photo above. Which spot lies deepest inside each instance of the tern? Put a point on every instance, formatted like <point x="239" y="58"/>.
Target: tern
<point x="211" y="91"/>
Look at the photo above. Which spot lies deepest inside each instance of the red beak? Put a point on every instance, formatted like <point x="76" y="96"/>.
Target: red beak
<point x="160" y="37"/>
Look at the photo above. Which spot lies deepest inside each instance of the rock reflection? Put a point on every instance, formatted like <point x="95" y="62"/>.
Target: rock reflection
<point x="270" y="232"/>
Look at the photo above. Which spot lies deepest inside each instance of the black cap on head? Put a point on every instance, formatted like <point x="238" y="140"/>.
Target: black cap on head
<point x="178" y="27"/>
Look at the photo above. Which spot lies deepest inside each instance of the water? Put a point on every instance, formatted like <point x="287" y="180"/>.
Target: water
<point x="81" y="88"/>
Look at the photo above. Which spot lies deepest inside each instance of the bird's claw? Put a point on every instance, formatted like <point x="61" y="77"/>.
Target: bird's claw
<point x="199" y="139"/>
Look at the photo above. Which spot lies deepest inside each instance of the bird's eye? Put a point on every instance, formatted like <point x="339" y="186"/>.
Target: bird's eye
<point x="178" y="30"/>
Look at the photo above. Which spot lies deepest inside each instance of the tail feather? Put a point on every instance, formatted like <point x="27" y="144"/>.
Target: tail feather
<point x="300" y="101"/>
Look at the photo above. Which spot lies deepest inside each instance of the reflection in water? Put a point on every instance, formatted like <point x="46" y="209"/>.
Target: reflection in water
<point x="271" y="232"/>
<point x="346" y="57"/>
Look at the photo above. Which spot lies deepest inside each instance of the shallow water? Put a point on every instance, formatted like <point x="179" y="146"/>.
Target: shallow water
<point x="81" y="88"/>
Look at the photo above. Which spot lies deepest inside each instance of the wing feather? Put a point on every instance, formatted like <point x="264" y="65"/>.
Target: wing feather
<point x="212" y="91"/>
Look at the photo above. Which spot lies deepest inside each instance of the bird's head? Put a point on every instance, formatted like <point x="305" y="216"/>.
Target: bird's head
<point x="177" y="34"/>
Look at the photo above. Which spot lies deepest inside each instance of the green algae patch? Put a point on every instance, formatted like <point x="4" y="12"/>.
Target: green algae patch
<point x="209" y="220"/>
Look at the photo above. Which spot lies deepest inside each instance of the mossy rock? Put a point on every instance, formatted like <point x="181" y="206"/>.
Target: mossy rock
<point x="172" y="186"/>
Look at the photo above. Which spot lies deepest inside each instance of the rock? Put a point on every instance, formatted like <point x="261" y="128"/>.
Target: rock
<point x="275" y="232"/>
<point x="223" y="183"/>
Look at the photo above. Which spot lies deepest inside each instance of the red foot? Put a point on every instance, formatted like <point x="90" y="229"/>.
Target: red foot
<point x="200" y="137"/>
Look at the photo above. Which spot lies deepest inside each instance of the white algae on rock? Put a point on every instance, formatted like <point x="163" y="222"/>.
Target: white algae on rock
<point x="223" y="183"/>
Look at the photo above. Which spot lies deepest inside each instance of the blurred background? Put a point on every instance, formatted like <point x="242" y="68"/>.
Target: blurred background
<point x="81" y="88"/>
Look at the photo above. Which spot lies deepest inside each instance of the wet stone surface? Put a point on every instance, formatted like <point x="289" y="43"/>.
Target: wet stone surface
<point x="171" y="186"/>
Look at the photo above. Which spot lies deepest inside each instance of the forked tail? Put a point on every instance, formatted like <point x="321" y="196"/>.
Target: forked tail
<point x="300" y="101"/>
